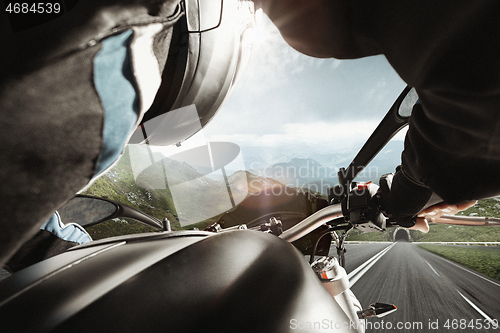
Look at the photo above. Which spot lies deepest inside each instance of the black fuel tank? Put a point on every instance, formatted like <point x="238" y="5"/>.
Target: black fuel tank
<point x="239" y="281"/>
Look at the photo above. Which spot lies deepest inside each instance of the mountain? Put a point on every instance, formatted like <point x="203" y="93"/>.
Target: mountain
<point x="316" y="169"/>
<point x="300" y="173"/>
<point x="329" y="155"/>
<point x="244" y="181"/>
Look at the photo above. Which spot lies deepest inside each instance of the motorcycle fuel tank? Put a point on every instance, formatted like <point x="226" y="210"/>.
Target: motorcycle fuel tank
<point x="191" y="281"/>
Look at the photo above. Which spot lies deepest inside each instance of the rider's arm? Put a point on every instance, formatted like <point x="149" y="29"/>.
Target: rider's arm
<point x="320" y="28"/>
<point x="449" y="52"/>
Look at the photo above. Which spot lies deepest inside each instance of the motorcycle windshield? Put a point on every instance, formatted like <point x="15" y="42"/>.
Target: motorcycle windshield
<point x="192" y="183"/>
<point x="287" y="128"/>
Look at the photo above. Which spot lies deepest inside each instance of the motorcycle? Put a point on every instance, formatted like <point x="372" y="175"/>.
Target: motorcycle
<point x="232" y="276"/>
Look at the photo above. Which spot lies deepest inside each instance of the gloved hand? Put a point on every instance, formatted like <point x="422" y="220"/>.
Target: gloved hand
<point x="411" y="204"/>
<point x="405" y="198"/>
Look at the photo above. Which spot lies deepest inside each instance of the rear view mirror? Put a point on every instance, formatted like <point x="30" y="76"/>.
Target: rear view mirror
<point x="203" y="15"/>
<point x="87" y="211"/>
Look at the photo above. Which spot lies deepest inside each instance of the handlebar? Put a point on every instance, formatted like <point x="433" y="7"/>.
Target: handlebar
<point x="468" y="220"/>
<point x="312" y="222"/>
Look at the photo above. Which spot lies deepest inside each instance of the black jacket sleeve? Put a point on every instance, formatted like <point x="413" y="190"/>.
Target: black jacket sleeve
<point x="448" y="51"/>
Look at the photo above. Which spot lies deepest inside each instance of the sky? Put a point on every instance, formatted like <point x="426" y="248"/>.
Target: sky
<point x="288" y="100"/>
<point x="285" y="98"/>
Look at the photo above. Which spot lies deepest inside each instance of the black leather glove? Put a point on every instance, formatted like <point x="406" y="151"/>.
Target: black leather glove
<point x="405" y="198"/>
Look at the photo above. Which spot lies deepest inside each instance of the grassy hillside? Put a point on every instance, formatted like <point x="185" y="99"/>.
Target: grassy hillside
<point x="486" y="207"/>
<point x="457" y="233"/>
<point x="484" y="260"/>
<point x="119" y="184"/>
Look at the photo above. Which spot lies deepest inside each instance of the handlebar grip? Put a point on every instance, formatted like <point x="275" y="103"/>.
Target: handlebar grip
<point x="403" y="198"/>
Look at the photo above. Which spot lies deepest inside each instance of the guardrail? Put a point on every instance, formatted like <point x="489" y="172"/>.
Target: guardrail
<point x="366" y="242"/>
<point x="462" y="243"/>
<point x="437" y="243"/>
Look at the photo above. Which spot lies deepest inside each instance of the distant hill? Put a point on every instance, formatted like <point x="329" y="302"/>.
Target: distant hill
<point x="298" y="172"/>
<point x="246" y="181"/>
<point x="316" y="169"/>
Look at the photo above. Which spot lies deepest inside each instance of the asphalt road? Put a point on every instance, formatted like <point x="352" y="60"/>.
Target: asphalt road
<point x="432" y="294"/>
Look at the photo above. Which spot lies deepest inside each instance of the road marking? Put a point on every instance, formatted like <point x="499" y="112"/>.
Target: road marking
<point x="476" y="308"/>
<point x="356" y="274"/>
<point x="465" y="269"/>
<point x="355" y="271"/>
<point x="432" y="268"/>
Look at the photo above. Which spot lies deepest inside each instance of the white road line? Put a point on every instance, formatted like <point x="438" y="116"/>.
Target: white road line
<point x="432" y="268"/>
<point x="356" y="274"/>
<point x="465" y="269"/>
<point x="476" y="308"/>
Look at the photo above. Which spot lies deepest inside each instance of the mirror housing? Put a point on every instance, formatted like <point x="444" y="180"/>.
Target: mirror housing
<point x="88" y="210"/>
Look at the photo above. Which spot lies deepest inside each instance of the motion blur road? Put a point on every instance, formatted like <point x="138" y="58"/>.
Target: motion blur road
<point x="432" y="294"/>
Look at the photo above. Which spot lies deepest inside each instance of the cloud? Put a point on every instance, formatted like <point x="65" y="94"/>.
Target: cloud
<point x="286" y="98"/>
<point x="315" y="133"/>
<point x="272" y="58"/>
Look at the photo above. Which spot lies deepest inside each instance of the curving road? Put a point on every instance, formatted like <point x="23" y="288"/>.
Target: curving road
<point x="432" y="294"/>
